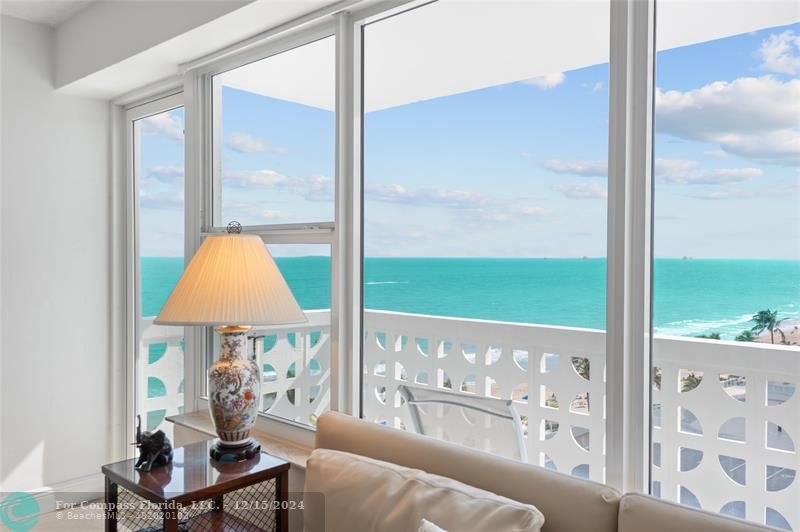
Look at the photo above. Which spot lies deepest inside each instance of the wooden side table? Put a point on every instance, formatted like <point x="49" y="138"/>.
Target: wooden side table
<point x="195" y="493"/>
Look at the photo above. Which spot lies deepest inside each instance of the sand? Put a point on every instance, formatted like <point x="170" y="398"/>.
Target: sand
<point x="790" y="328"/>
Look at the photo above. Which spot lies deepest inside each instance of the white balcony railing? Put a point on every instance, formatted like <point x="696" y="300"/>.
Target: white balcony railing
<point x="726" y="414"/>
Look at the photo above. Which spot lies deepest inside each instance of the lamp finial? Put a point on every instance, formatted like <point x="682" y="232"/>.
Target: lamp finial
<point x="234" y="228"/>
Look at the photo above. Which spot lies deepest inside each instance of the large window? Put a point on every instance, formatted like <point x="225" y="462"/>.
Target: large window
<point x="449" y="235"/>
<point x="485" y="225"/>
<point x="274" y="172"/>
<point x="159" y="185"/>
<point x="727" y="264"/>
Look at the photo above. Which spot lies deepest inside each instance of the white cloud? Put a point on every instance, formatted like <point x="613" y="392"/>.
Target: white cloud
<point x="395" y="193"/>
<point x="588" y="190"/>
<point x="165" y="173"/>
<point x="314" y="188"/>
<point x="253" y="213"/>
<point x="717" y="154"/>
<point x="244" y="143"/>
<point x="319" y="188"/>
<point x="261" y="178"/>
<point x="513" y="214"/>
<point x="160" y="199"/>
<point x="582" y="168"/>
<point x="164" y="124"/>
<point x="547" y="81"/>
<point x="755" y="118"/>
<point x="780" y="52"/>
<point x="689" y="173"/>
<point x="721" y="194"/>
<point x="593" y="87"/>
<point x="468" y="206"/>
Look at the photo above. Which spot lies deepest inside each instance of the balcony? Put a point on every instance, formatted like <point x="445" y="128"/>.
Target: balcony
<point x="725" y="414"/>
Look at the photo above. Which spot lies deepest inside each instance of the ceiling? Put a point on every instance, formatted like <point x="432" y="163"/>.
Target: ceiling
<point x="50" y="12"/>
<point x="460" y="46"/>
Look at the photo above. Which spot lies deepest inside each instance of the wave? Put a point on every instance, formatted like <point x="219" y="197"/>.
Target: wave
<point x="695" y="327"/>
<point x="385" y="282"/>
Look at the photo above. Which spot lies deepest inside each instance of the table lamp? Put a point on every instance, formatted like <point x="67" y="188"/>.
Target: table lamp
<point x="231" y="284"/>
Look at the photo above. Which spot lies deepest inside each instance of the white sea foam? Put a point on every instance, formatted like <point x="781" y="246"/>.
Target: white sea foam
<point x="695" y="327"/>
<point x="728" y="328"/>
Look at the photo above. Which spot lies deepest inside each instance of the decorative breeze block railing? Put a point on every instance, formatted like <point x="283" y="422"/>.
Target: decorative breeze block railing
<point x="296" y="364"/>
<point x="726" y="414"/>
<point x="726" y="421"/>
<point x="160" y="381"/>
<point x="544" y="369"/>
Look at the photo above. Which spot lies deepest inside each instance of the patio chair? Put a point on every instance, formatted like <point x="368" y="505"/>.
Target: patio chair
<point x="482" y="422"/>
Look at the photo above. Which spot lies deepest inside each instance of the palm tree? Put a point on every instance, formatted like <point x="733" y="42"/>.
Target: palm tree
<point x="746" y="336"/>
<point x="710" y="336"/>
<point x="690" y="382"/>
<point x="765" y="320"/>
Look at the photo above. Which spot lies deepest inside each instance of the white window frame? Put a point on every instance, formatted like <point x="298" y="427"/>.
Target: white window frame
<point x="206" y="221"/>
<point x="629" y="216"/>
<point x="126" y="111"/>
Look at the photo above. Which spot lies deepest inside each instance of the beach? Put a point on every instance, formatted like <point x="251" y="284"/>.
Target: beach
<point x="791" y="332"/>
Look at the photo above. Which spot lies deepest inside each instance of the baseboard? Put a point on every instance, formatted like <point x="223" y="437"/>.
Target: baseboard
<point x="73" y="491"/>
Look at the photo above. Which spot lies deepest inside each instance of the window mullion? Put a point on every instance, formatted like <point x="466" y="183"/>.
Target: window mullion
<point x="346" y="263"/>
<point x="629" y="269"/>
<point x="197" y="172"/>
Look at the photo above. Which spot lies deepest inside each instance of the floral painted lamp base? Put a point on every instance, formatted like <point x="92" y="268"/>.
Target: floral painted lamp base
<point x="234" y="388"/>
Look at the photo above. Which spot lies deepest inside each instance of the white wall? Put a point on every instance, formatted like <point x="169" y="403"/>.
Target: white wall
<point x="107" y="32"/>
<point x="54" y="281"/>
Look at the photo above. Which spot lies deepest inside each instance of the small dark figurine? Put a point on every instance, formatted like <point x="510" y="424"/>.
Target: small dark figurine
<point x="155" y="449"/>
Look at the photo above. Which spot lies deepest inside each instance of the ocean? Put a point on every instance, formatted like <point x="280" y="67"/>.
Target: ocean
<point x="691" y="297"/>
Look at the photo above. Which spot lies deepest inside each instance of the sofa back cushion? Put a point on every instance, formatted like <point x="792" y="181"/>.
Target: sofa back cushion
<point x="642" y="513"/>
<point x="568" y="504"/>
<point x="366" y="495"/>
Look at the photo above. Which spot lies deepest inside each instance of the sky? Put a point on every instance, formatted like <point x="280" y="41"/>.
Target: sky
<point x="518" y="170"/>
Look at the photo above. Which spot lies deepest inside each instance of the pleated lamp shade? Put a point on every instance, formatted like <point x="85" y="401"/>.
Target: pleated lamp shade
<point x="231" y="280"/>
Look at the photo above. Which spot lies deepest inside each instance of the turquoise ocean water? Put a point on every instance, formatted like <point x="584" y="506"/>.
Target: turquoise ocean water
<point x="691" y="297"/>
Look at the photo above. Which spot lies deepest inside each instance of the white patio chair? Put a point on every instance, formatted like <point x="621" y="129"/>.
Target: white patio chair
<point x="485" y="423"/>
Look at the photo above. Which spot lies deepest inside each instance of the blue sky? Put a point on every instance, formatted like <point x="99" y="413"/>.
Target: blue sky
<point x="518" y="170"/>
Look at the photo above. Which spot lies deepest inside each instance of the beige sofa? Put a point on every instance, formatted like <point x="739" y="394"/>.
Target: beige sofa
<point x="568" y="504"/>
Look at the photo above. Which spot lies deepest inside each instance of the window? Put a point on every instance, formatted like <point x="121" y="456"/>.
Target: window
<point x="481" y="193"/>
<point x="485" y="224"/>
<point x="274" y="172"/>
<point x="727" y="263"/>
<point x="159" y="222"/>
<point x="275" y="143"/>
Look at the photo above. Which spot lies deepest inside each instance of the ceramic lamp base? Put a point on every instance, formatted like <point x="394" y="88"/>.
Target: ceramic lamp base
<point x="223" y="452"/>
<point x="234" y="392"/>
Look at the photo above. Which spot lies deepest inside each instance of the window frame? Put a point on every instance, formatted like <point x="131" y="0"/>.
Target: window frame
<point x="204" y="147"/>
<point x="126" y="116"/>
<point x="629" y="229"/>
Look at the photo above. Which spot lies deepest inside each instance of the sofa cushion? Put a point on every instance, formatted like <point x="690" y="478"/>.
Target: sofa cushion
<point x="369" y="495"/>
<point x="642" y="513"/>
<point x="556" y="495"/>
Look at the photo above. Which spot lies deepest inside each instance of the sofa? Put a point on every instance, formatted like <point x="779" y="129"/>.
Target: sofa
<point x="343" y="493"/>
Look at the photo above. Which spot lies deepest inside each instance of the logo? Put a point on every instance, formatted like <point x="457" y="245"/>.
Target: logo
<point x="19" y="512"/>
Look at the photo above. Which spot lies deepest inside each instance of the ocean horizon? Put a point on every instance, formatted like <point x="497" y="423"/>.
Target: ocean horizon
<point x="691" y="296"/>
